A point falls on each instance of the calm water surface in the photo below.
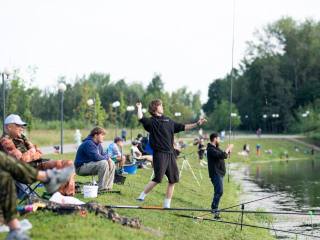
(262, 179)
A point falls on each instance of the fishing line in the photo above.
(234, 8)
(246, 225)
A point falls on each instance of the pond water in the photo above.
(262, 179)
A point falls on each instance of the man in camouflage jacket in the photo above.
(18, 146)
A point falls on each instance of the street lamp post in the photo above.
(306, 128)
(130, 109)
(273, 116)
(144, 111)
(90, 102)
(62, 87)
(246, 116)
(178, 114)
(233, 115)
(307, 112)
(8, 71)
(116, 105)
(265, 119)
(276, 122)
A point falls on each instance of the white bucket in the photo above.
(90, 191)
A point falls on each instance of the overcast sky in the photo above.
(188, 42)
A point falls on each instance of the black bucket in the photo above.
(119, 179)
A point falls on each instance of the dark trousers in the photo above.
(218, 191)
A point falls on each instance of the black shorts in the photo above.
(165, 164)
(201, 156)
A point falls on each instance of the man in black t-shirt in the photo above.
(162, 129)
(217, 168)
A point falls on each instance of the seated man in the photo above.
(113, 151)
(18, 146)
(137, 154)
(13, 169)
(140, 147)
(91, 159)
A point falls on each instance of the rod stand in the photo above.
(242, 208)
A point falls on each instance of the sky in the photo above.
(188, 42)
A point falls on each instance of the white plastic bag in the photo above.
(58, 198)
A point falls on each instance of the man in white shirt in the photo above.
(137, 154)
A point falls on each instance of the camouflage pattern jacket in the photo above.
(21, 148)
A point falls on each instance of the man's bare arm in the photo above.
(193, 125)
(139, 106)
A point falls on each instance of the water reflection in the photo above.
(283, 177)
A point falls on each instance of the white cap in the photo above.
(14, 119)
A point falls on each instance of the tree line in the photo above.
(41, 108)
(278, 76)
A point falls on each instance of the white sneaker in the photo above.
(204, 164)
(201, 164)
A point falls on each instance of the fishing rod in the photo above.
(247, 225)
(207, 210)
(234, 8)
(187, 155)
(278, 194)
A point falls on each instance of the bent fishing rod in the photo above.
(278, 194)
(247, 225)
(234, 7)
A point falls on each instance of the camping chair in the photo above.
(27, 190)
(137, 161)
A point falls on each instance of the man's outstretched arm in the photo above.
(139, 106)
(193, 125)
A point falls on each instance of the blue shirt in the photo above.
(89, 151)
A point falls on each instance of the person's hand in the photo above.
(202, 120)
(110, 162)
(33, 151)
(229, 148)
(139, 105)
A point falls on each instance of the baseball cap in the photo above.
(139, 135)
(12, 118)
(117, 139)
(134, 142)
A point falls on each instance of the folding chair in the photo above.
(27, 190)
(93, 182)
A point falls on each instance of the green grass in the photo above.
(48, 225)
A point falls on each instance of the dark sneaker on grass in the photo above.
(140, 199)
(217, 215)
(18, 234)
(57, 177)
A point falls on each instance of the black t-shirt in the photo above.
(216, 163)
(161, 129)
(201, 152)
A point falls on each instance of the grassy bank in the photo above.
(47, 225)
